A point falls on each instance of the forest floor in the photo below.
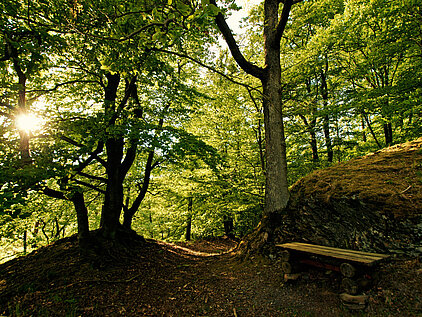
(191, 279)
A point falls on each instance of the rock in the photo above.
(291, 277)
(354, 299)
(354, 306)
(357, 204)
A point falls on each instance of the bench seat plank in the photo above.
(366, 258)
(369, 255)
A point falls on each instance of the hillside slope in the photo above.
(370, 203)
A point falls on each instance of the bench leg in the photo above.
(349, 286)
(347, 270)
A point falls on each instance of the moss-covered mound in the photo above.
(371, 203)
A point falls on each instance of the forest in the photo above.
(162, 120)
(136, 116)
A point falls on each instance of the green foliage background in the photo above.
(350, 67)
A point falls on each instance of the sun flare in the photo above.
(28, 122)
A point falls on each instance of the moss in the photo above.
(372, 199)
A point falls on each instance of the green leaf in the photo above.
(213, 10)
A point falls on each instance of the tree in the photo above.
(276, 188)
(25, 46)
(110, 103)
(371, 52)
(308, 68)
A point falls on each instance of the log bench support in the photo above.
(357, 268)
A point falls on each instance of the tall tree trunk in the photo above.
(314, 144)
(368, 123)
(228, 226)
(25, 242)
(388, 133)
(363, 129)
(189, 219)
(326, 124)
(276, 187)
(260, 146)
(11, 52)
(276, 190)
(78, 201)
(328, 144)
(113, 198)
(128, 218)
(22, 110)
(310, 127)
(276, 193)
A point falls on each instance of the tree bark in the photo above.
(328, 144)
(130, 212)
(228, 226)
(24, 135)
(368, 123)
(260, 146)
(78, 201)
(189, 220)
(25, 242)
(113, 198)
(276, 191)
(326, 124)
(363, 129)
(388, 134)
(310, 127)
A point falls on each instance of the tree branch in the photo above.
(128, 92)
(64, 84)
(54, 193)
(129, 36)
(258, 108)
(70, 141)
(92, 156)
(3, 104)
(287, 5)
(207, 67)
(147, 176)
(97, 178)
(5, 114)
(129, 158)
(248, 67)
(89, 186)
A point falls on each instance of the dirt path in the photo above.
(160, 279)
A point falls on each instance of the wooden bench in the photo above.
(357, 267)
